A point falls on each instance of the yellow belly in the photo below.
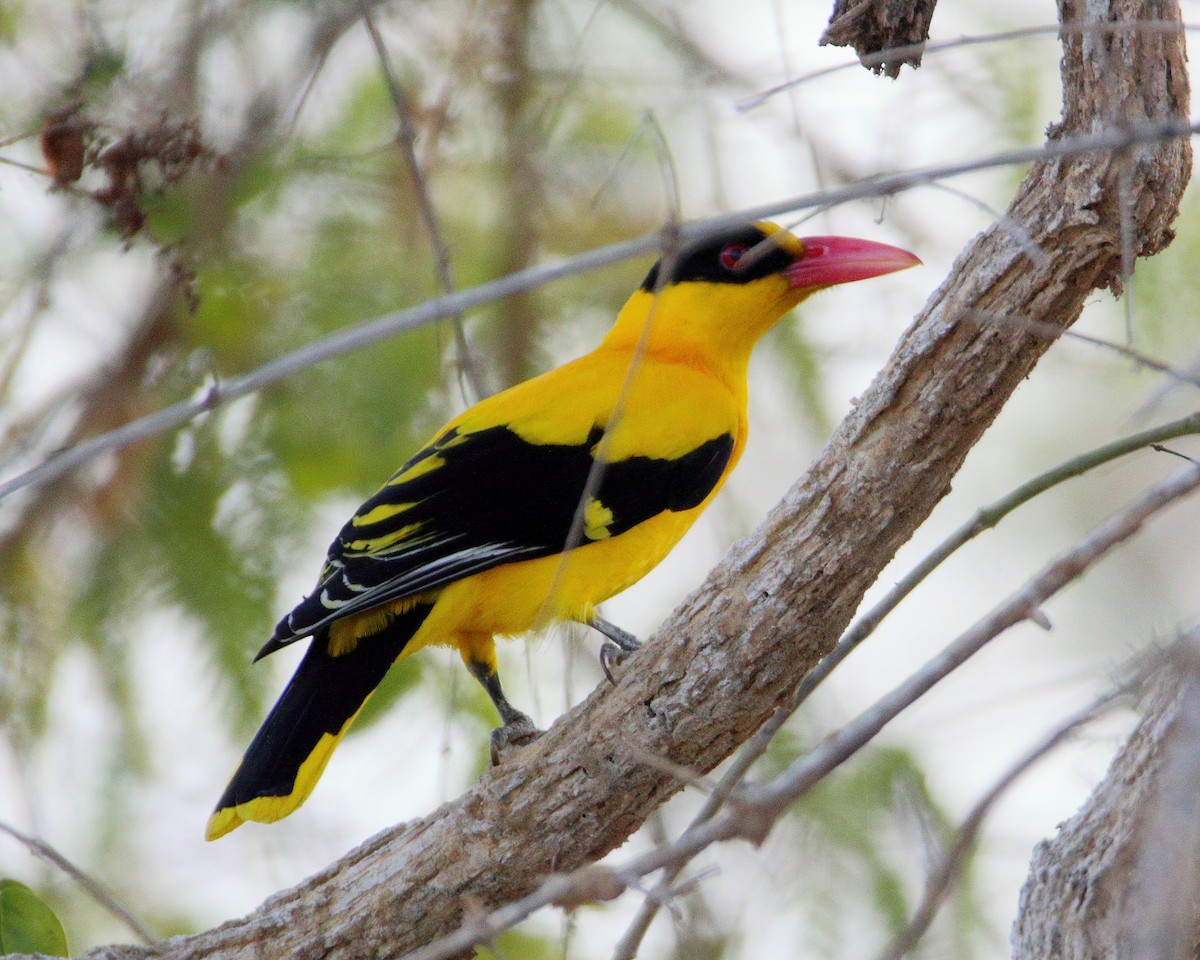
(685, 407)
(530, 594)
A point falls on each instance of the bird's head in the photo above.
(727, 290)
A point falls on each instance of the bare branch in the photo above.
(986, 518)
(90, 886)
(1020, 606)
(740, 645)
(1125, 869)
(876, 60)
(1035, 253)
(1101, 144)
(1167, 872)
(1139, 357)
(407, 140)
(756, 808)
(941, 882)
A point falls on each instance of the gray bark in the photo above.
(1121, 879)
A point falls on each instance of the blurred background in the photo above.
(262, 202)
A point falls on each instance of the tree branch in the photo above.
(1120, 878)
(756, 809)
(941, 882)
(984, 519)
(359, 337)
(406, 140)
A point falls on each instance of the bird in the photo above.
(538, 503)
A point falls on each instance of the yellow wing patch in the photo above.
(418, 469)
(385, 511)
(597, 518)
(378, 544)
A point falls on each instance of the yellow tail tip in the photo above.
(260, 809)
(270, 808)
(222, 822)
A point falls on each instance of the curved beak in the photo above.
(827, 261)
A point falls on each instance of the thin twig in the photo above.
(39, 848)
(20, 339)
(671, 768)
(984, 519)
(1016, 230)
(1175, 453)
(388, 325)
(756, 809)
(672, 244)
(406, 139)
(1050, 332)
(17, 138)
(1023, 605)
(941, 882)
(925, 47)
(29, 167)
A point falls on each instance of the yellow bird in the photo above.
(540, 502)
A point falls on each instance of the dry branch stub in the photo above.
(878, 26)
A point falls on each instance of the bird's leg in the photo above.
(518, 729)
(623, 639)
(618, 646)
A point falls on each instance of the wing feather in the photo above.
(470, 501)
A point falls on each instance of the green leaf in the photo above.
(27, 925)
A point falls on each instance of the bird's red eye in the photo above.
(731, 255)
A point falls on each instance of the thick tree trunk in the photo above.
(1121, 879)
(741, 643)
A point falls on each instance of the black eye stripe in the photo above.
(706, 261)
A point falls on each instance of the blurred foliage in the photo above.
(281, 229)
(1160, 284)
(10, 19)
(519, 943)
(802, 373)
(869, 835)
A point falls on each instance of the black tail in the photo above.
(288, 754)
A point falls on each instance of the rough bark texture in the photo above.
(741, 643)
(1091, 892)
(872, 26)
(1120, 880)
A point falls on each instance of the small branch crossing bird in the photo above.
(540, 502)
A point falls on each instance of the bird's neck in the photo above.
(693, 326)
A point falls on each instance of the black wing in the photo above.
(471, 501)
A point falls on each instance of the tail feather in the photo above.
(288, 754)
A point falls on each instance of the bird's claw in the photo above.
(611, 656)
(519, 731)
